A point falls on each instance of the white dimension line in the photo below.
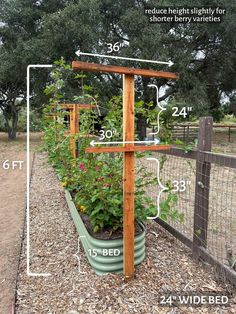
(79, 53)
(77, 254)
(155, 141)
(31, 66)
(163, 188)
(159, 105)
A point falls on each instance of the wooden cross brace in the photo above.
(128, 149)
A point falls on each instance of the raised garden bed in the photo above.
(105, 256)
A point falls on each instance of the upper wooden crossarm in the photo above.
(94, 67)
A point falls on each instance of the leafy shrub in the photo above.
(229, 118)
(2, 123)
(36, 124)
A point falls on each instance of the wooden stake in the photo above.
(128, 176)
(75, 152)
(74, 128)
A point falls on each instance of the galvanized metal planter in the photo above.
(104, 256)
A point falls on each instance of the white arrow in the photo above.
(163, 188)
(77, 254)
(159, 105)
(29, 273)
(155, 141)
(79, 53)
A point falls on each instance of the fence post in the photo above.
(202, 186)
(229, 134)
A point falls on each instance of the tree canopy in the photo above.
(41, 31)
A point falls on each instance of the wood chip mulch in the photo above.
(72, 289)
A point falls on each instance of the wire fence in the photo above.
(173, 168)
(222, 213)
(208, 203)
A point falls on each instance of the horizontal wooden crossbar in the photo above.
(122, 149)
(94, 67)
(78, 106)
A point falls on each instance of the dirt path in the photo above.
(12, 210)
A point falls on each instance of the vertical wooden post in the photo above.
(76, 118)
(71, 131)
(76, 151)
(187, 140)
(74, 128)
(202, 187)
(128, 175)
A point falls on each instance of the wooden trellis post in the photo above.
(128, 174)
(74, 128)
(128, 149)
(74, 110)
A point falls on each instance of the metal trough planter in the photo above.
(105, 256)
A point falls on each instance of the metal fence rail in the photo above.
(189, 132)
(208, 204)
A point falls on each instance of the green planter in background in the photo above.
(105, 256)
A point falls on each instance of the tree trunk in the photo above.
(141, 127)
(11, 119)
(12, 133)
(12, 130)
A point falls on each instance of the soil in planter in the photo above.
(107, 234)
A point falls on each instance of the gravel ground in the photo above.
(73, 289)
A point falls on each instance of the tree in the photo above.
(43, 31)
(203, 54)
(14, 31)
(10, 89)
(37, 32)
